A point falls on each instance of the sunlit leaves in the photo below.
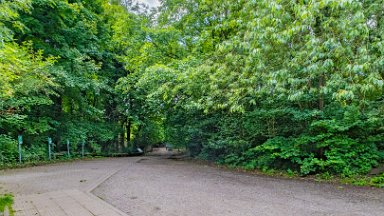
(265, 60)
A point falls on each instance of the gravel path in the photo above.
(156, 186)
(61, 176)
(165, 187)
(60, 189)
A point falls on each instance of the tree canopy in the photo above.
(268, 84)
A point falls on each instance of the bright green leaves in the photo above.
(57, 72)
(281, 84)
(26, 83)
(9, 13)
(306, 76)
(24, 72)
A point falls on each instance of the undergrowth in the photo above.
(6, 201)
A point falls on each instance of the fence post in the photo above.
(50, 148)
(82, 148)
(20, 142)
(69, 155)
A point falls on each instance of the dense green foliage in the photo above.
(58, 68)
(293, 85)
(268, 84)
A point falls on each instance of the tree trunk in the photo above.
(129, 125)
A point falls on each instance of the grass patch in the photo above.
(356, 180)
(60, 159)
(16, 165)
(373, 181)
(6, 201)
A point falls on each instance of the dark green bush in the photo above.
(8, 149)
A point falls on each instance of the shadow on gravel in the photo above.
(163, 153)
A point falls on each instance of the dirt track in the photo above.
(160, 186)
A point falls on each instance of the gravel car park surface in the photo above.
(155, 185)
(60, 176)
(160, 186)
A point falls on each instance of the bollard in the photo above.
(69, 155)
(49, 148)
(20, 142)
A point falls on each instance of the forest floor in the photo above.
(158, 185)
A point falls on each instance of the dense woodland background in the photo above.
(267, 84)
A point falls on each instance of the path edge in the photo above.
(101, 181)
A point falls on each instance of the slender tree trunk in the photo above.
(129, 125)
